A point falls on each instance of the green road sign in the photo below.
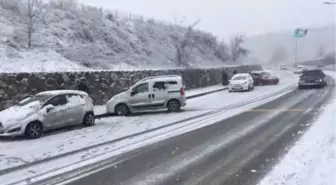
(300, 32)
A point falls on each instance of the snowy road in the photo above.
(235, 151)
(24, 153)
(311, 161)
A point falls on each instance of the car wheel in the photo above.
(249, 88)
(174, 106)
(121, 110)
(34, 130)
(89, 119)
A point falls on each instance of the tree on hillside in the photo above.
(278, 54)
(70, 5)
(236, 49)
(222, 52)
(33, 13)
(182, 54)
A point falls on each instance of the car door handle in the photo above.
(153, 95)
(149, 96)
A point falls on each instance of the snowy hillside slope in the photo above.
(82, 38)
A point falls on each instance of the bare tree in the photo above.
(34, 13)
(13, 5)
(236, 48)
(221, 52)
(279, 54)
(181, 47)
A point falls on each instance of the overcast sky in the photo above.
(227, 17)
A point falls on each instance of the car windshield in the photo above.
(239, 78)
(40, 98)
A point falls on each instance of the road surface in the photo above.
(235, 151)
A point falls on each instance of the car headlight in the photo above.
(320, 80)
(245, 83)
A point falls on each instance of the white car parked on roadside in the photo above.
(152, 93)
(241, 82)
(45, 111)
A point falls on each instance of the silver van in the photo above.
(152, 93)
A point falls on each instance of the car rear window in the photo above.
(239, 78)
(312, 73)
(256, 74)
(265, 74)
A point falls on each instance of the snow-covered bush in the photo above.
(13, 5)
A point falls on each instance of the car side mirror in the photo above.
(133, 92)
(49, 108)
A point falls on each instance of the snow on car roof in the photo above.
(242, 74)
(162, 77)
(59, 92)
(257, 71)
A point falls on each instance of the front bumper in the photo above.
(11, 131)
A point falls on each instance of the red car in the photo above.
(264, 78)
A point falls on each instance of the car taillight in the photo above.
(182, 91)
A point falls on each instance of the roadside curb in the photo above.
(188, 98)
(206, 93)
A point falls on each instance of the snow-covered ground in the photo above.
(311, 161)
(19, 152)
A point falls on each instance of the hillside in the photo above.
(72, 37)
(318, 38)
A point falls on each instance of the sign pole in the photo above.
(296, 51)
(298, 33)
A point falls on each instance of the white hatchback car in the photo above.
(153, 93)
(241, 82)
(45, 111)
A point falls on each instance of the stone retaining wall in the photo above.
(102, 84)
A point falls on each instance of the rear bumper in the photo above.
(239, 87)
(183, 102)
(315, 84)
(311, 83)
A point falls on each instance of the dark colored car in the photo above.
(264, 78)
(312, 78)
